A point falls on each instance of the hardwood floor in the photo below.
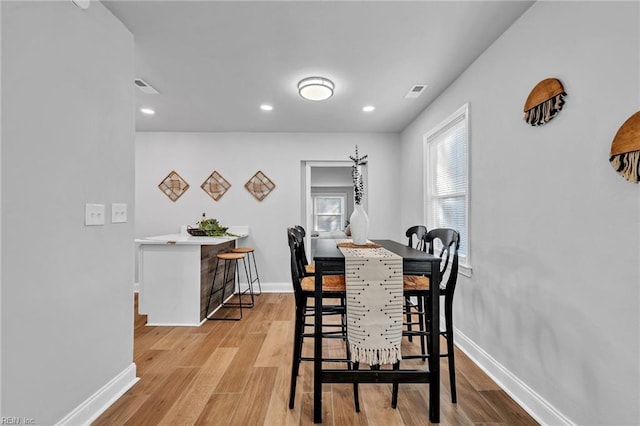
(237, 373)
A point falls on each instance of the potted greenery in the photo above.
(209, 227)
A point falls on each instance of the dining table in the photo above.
(329, 260)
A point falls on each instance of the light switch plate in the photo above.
(94, 214)
(118, 213)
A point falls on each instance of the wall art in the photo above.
(544, 102)
(625, 149)
(215, 185)
(260, 185)
(173, 186)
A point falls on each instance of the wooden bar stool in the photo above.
(251, 258)
(231, 270)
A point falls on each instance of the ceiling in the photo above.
(215, 62)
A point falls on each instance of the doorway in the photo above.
(326, 180)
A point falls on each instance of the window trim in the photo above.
(462, 114)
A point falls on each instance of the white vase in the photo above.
(359, 225)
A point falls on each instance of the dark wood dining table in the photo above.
(329, 260)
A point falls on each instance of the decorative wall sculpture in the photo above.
(259, 185)
(215, 185)
(173, 186)
(625, 149)
(544, 102)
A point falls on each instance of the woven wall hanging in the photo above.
(544, 102)
(625, 149)
(173, 186)
(215, 185)
(260, 185)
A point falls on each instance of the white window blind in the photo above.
(446, 150)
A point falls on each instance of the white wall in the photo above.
(0, 221)
(67, 139)
(554, 295)
(331, 176)
(237, 156)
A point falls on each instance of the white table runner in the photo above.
(374, 304)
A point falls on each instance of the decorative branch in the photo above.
(356, 173)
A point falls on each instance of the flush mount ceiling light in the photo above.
(315, 88)
(147, 111)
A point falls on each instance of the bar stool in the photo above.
(231, 270)
(250, 253)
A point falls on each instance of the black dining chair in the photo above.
(416, 239)
(418, 232)
(305, 268)
(447, 243)
(309, 268)
(333, 287)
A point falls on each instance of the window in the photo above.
(446, 182)
(328, 212)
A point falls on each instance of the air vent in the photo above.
(145, 87)
(415, 91)
(82, 4)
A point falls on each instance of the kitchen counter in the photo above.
(238, 231)
(176, 275)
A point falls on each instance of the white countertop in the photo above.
(179, 238)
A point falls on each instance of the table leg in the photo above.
(317, 346)
(434, 349)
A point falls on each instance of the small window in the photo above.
(446, 184)
(328, 212)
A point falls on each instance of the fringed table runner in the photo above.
(374, 304)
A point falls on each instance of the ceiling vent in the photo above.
(145, 87)
(82, 4)
(415, 91)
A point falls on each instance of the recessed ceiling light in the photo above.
(368, 108)
(147, 111)
(266, 107)
(316, 88)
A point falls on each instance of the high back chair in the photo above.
(309, 268)
(446, 243)
(333, 287)
(416, 239)
(416, 235)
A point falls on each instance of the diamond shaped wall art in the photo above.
(215, 185)
(173, 186)
(260, 185)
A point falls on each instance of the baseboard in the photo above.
(266, 287)
(285, 287)
(527, 398)
(97, 403)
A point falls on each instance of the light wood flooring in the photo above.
(237, 373)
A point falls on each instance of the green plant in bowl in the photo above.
(212, 227)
